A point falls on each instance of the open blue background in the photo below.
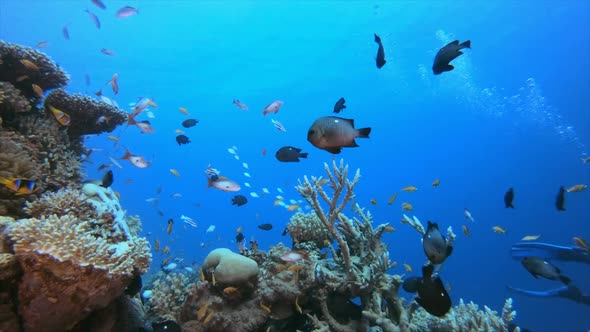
(514, 113)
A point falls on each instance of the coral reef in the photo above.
(465, 318)
(17, 160)
(168, 294)
(11, 100)
(307, 227)
(23, 66)
(302, 288)
(88, 115)
(72, 266)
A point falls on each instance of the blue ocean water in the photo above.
(514, 113)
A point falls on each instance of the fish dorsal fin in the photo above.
(455, 42)
(431, 225)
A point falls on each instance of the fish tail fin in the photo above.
(377, 38)
(131, 119)
(466, 44)
(511, 206)
(303, 155)
(565, 279)
(364, 132)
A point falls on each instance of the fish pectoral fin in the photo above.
(449, 250)
(334, 150)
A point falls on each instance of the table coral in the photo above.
(44, 72)
(88, 115)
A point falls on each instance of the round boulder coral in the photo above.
(230, 268)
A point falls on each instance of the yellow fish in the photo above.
(322, 182)
(183, 110)
(577, 188)
(409, 189)
(113, 138)
(166, 250)
(389, 229)
(581, 243)
(61, 117)
(297, 307)
(202, 311)
(499, 230)
(407, 267)
(37, 89)
(436, 183)
(407, 206)
(466, 231)
(179, 132)
(530, 237)
(293, 207)
(278, 200)
(264, 307)
(175, 172)
(391, 199)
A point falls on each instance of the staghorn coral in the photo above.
(307, 227)
(47, 74)
(11, 100)
(464, 318)
(17, 160)
(88, 116)
(168, 294)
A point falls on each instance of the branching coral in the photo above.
(465, 318)
(168, 294)
(307, 227)
(313, 190)
(88, 116)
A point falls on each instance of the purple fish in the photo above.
(127, 11)
(65, 32)
(94, 18)
(99, 4)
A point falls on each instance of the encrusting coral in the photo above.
(88, 115)
(11, 100)
(307, 227)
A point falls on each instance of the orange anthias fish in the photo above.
(224, 184)
(37, 89)
(169, 228)
(272, 107)
(29, 64)
(183, 110)
(114, 84)
(174, 172)
(61, 117)
(136, 160)
(240, 105)
(19, 186)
